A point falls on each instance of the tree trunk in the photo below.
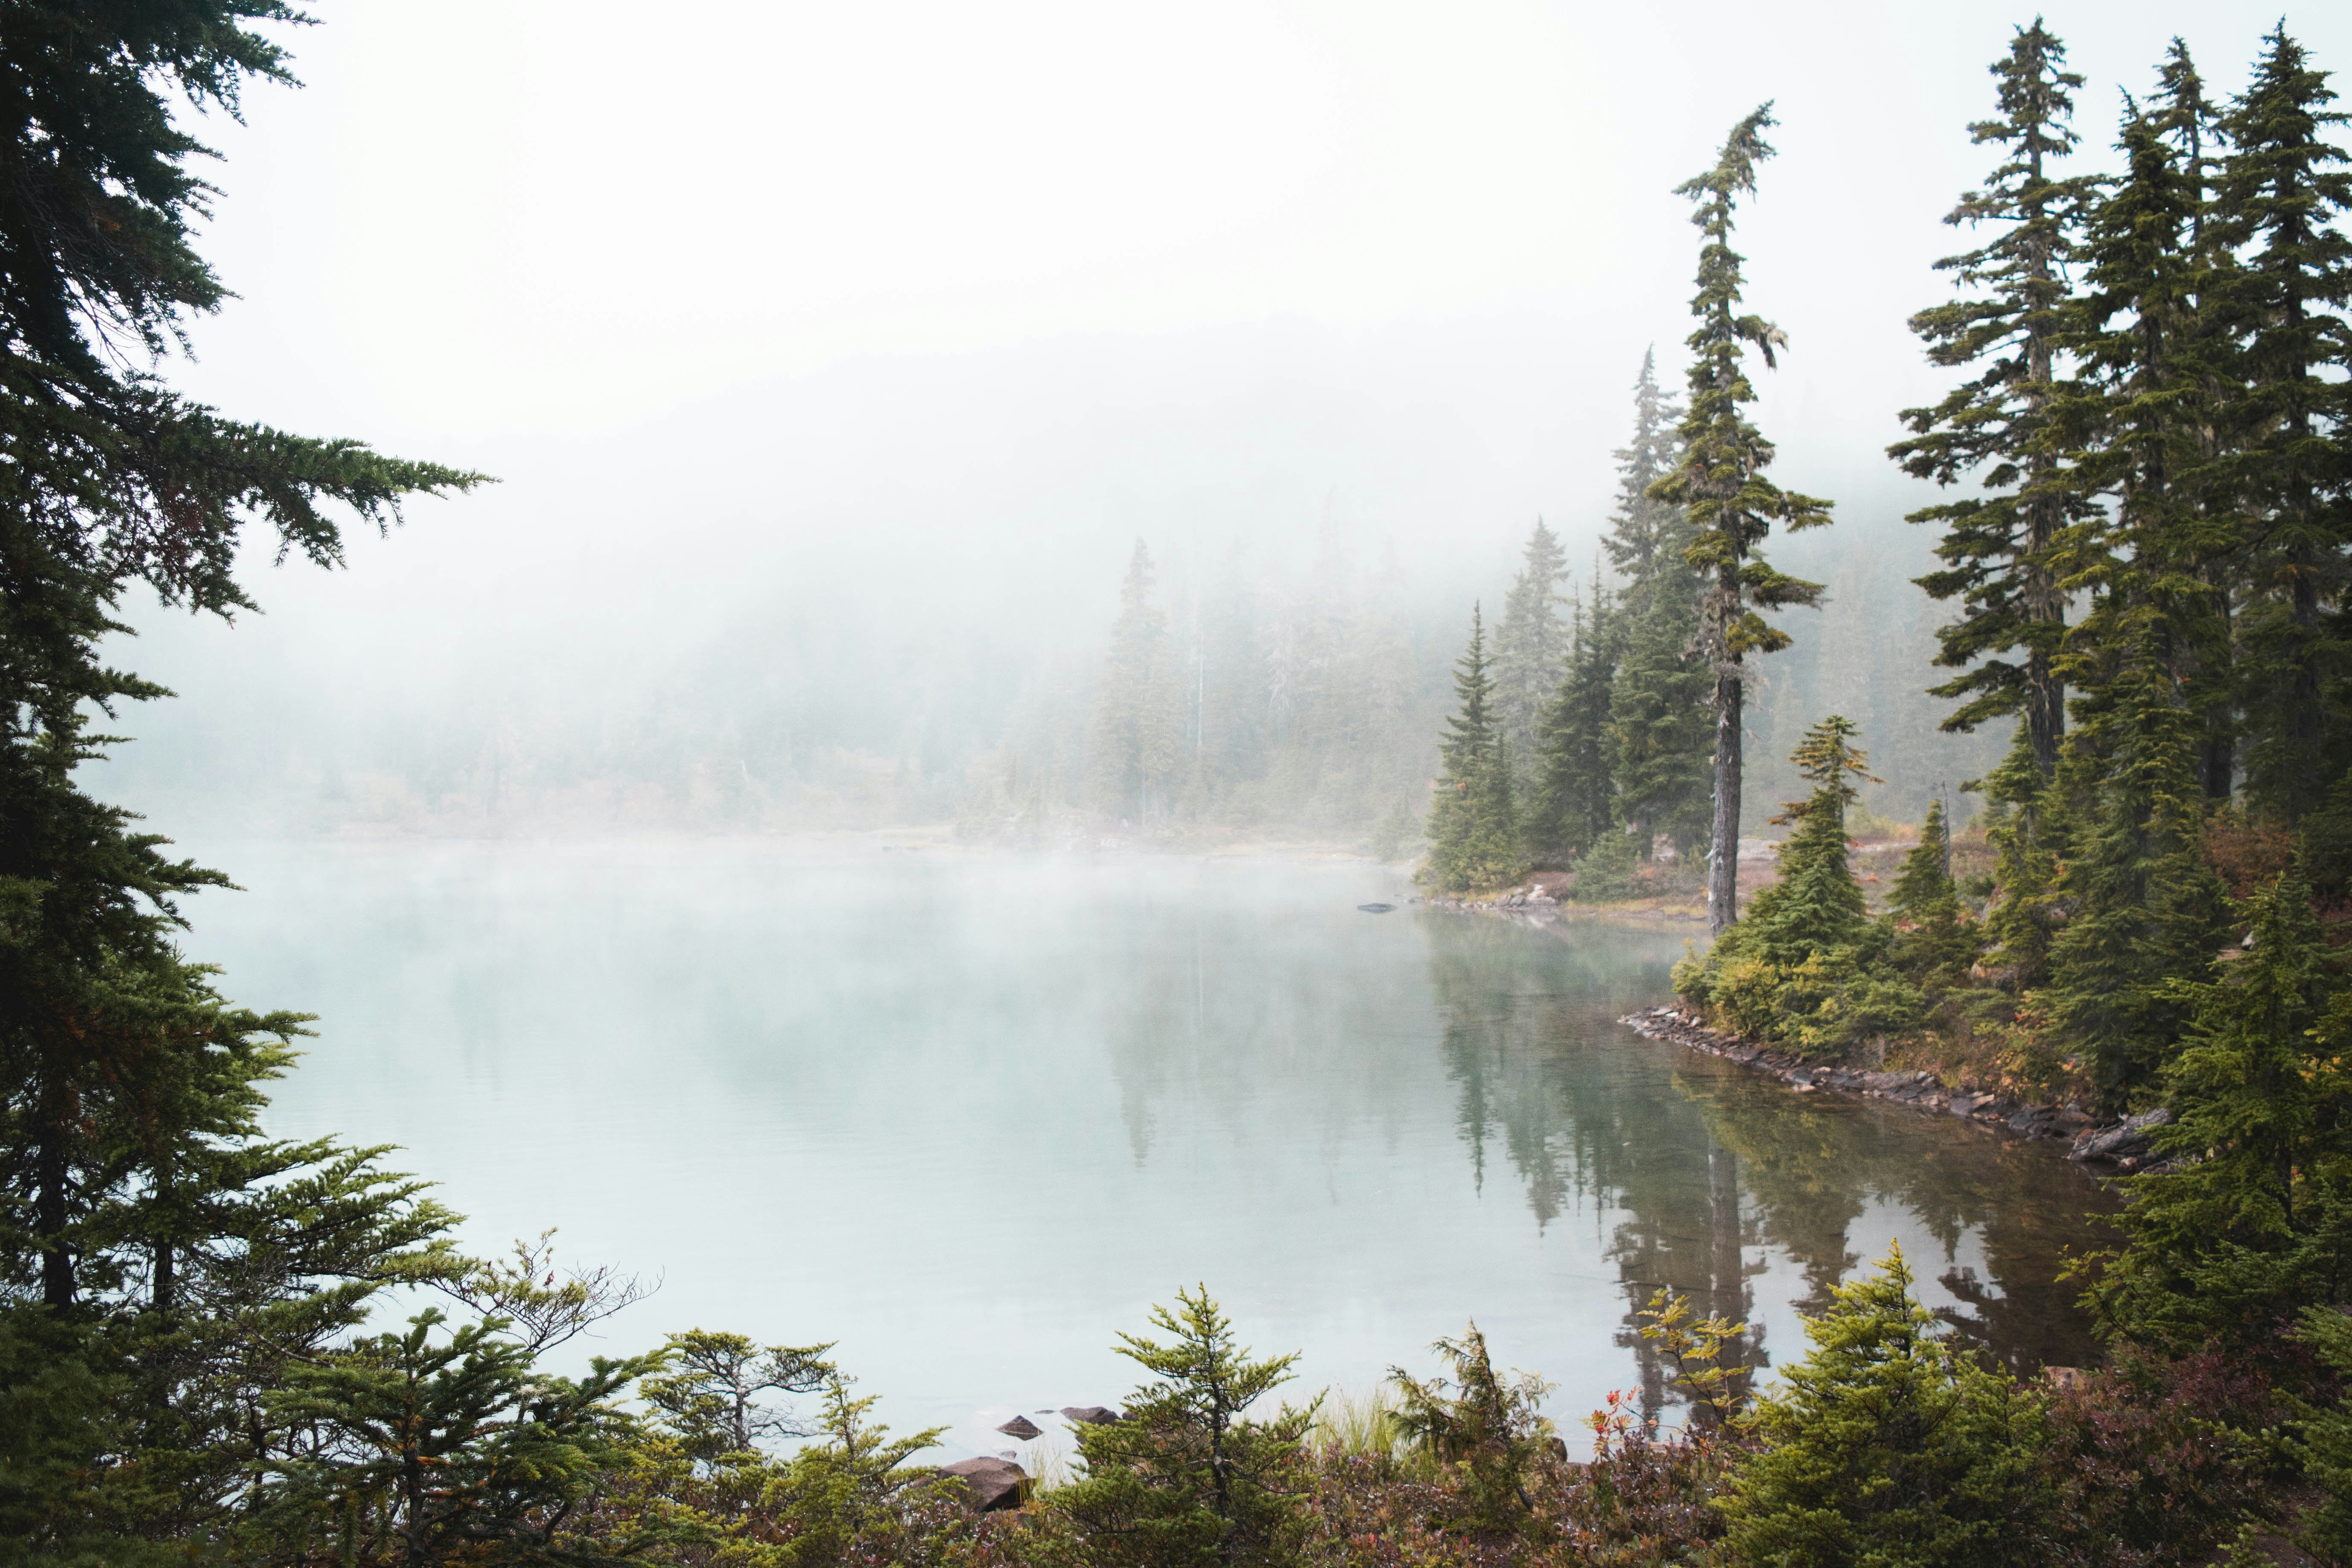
(1723, 850)
(51, 1174)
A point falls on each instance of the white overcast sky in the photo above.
(932, 307)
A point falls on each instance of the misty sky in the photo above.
(920, 314)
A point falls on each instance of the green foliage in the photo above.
(1532, 646)
(1721, 488)
(1473, 830)
(2256, 1221)
(1188, 1477)
(437, 1444)
(1938, 943)
(1808, 968)
(1606, 871)
(1574, 804)
(1718, 1390)
(2321, 1438)
(1486, 1428)
(1886, 1447)
(708, 1392)
(1995, 427)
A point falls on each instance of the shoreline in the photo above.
(2123, 1144)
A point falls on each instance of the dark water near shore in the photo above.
(968, 1116)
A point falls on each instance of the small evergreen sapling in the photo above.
(1887, 1447)
(1189, 1479)
(1485, 1428)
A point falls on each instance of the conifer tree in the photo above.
(1473, 831)
(2256, 1221)
(1720, 486)
(1658, 722)
(1135, 747)
(1189, 1477)
(1646, 533)
(1532, 646)
(1818, 904)
(1574, 802)
(1887, 1447)
(2282, 193)
(1998, 546)
(1938, 947)
(2027, 825)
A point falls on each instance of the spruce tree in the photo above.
(1473, 830)
(2256, 1221)
(1938, 945)
(1135, 747)
(1646, 533)
(1720, 485)
(1995, 427)
(1189, 1477)
(1574, 802)
(2028, 827)
(1532, 646)
(167, 1260)
(1887, 1447)
(2281, 195)
(1658, 735)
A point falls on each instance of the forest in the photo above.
(217, 1344)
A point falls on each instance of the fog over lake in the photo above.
(970, 1114)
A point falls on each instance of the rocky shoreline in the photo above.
(2124, 1145)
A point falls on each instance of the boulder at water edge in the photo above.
(1021, 1426)
(992, 1484)
(1091, 1415)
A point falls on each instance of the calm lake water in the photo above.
(968, 1115)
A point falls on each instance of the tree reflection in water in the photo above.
(1701, 1174)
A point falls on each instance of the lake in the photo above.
(968, 1115)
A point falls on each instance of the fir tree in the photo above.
(1887, 1447)
(2282, 192)
(1485, 1429)
(1658, 718)
(1998, 544)
(2027, 825)
(1188, 1477)
(1135, 747)
(1646, 533)
(1817, 906)
(1938, 945)
(1532, 646)
(1574, 800)
(1473, 830)
(1720, 485)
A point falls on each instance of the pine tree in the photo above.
(2256, 1221)
(1887, 1447)
(1574, 800)
(1532, 646)
(1134, 750)
(2281, 196)
(1938, 946)
(1646, 534)
(1995, 427)
(1188, 1477)
(1474, 829)
(1721, 487)
(1817, 906)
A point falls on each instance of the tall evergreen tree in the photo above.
(1135, 749)
(1721, 485)
(1995, 427)
(157, 1252)
(1646, 533)
(1574, 802)
(1532, 646)
(2256, 1222)
(1473, 837)
(2281, 194)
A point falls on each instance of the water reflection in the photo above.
(971, 1115)
(1709, 1174)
